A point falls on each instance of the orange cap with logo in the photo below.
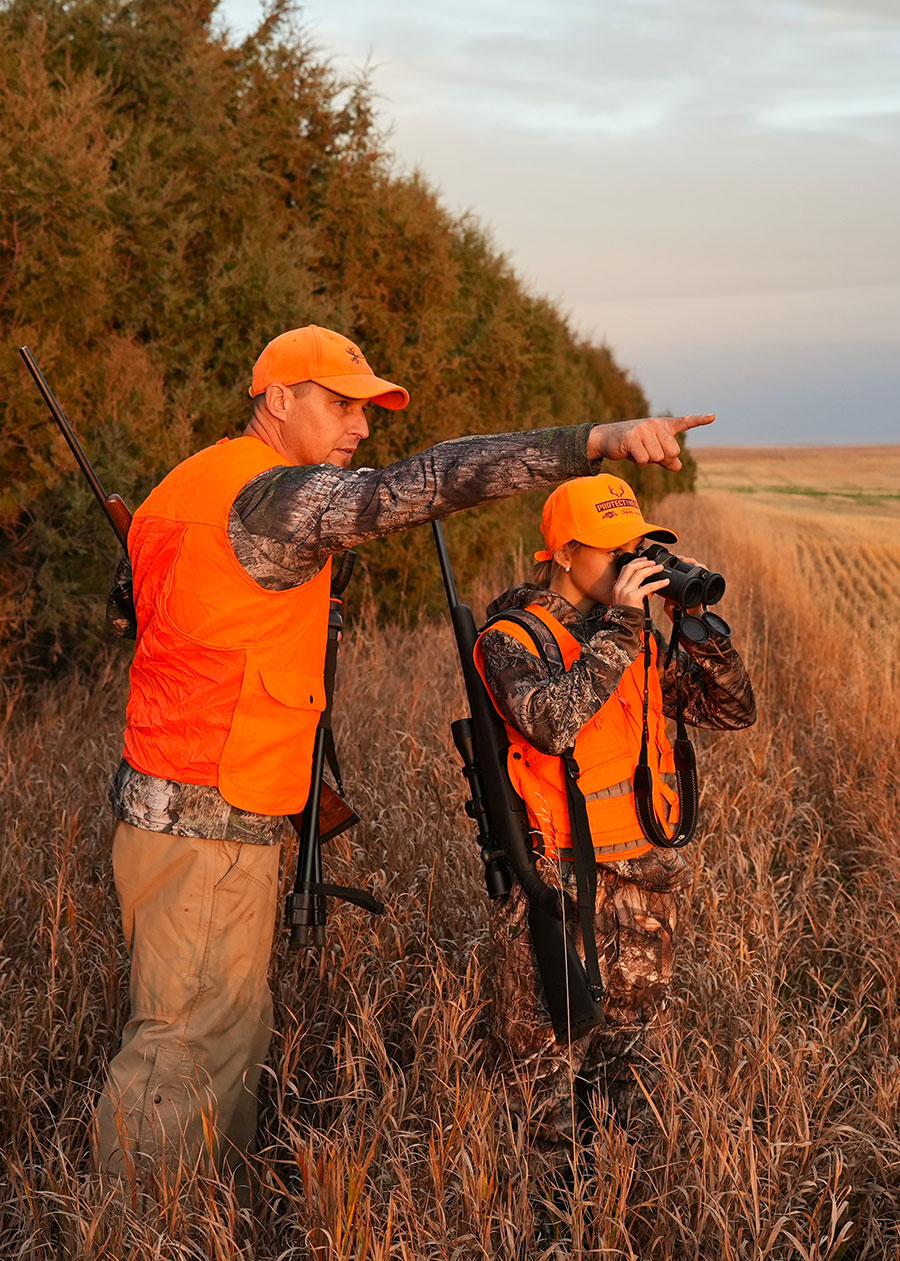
(319, 355)
(600, 511)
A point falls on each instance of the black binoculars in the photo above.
(689, 585)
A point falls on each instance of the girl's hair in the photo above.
(543, 569)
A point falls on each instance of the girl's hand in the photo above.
(631, 585)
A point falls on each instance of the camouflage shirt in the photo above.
(550, 711)
(285, 524)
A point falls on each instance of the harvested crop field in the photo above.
(775, 1134)
(850, 481)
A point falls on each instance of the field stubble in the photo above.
(776, 1133)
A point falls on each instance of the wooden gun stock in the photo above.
(335, 814)
(118, 512)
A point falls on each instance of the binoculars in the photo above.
(689, 586)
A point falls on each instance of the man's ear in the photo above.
(277, 400)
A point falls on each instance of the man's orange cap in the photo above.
(600, 511)
(319, 355)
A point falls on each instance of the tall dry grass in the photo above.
(776, 1131)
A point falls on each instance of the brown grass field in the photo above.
(775, 1134)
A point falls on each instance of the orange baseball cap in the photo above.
(600, 511)
(319, 355)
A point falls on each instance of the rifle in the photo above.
(306, 907)
(503, 832)
(332, 814)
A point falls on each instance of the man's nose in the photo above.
(360, 427)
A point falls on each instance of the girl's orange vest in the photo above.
(607, 749)
(227, 679)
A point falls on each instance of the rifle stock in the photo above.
(503, 828)
(120, 516)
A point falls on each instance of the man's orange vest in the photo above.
(227, 679)
(607, 750)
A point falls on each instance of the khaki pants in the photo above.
(198, 917)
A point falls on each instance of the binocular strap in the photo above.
(685, 760)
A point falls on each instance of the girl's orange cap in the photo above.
(317, 354)
(600, 511)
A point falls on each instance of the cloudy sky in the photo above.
(712, 188)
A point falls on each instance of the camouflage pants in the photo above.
(635, 925)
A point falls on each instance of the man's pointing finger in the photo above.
(678, 424)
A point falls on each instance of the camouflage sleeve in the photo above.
(120, 615)
(288, 521)
(551, 709)
(715, 688)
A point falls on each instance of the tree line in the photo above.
(170, 199)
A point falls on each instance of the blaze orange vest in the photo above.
(607, 750)
(227, 680)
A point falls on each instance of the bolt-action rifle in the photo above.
(503, 832)
(326, 814)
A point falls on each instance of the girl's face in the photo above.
(591, 573)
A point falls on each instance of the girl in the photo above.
(592, 605)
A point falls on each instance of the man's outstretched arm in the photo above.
(289, 520)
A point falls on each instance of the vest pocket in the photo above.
(267, 759)
(295, 688)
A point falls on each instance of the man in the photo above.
(232, 556)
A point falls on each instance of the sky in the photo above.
(711, 187)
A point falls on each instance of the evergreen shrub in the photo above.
(169, 201)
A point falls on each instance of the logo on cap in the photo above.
(630, 505)
(354, 354)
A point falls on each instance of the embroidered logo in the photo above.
(354, 354)
(620, 505)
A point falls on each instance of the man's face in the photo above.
(321, 427)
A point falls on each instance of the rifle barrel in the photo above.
(446, 568)
(109, 503)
